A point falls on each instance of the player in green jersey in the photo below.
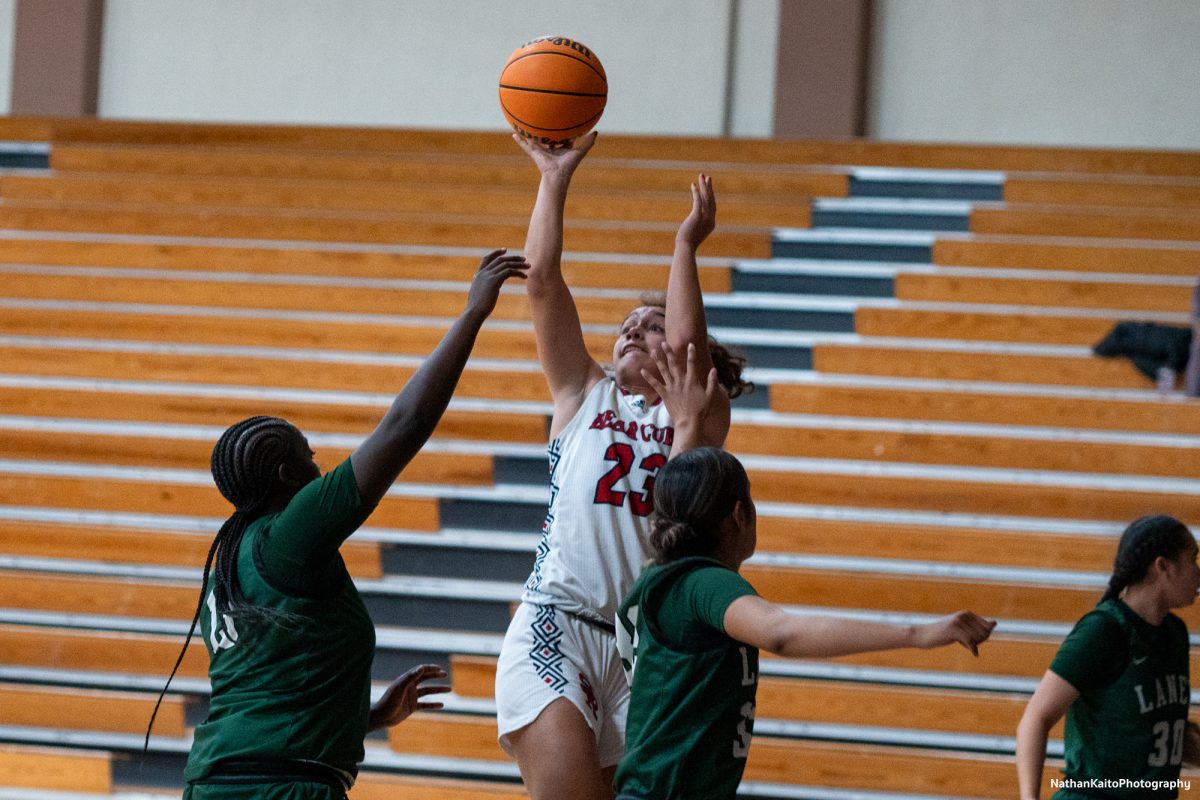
(690, 630)
(1122, 679)
(290, 641)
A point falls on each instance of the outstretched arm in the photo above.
(570, 369)
(686, 323)
(418, 408)
(756, 621)
(1050, 701)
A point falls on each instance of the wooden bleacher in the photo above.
(961, 447)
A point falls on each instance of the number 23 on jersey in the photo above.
(640, 503)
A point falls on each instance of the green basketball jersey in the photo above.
(298, 686)
(691, 709)
(1126, 730)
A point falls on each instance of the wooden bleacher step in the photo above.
(771, 759)
(1065, 253)
(509, 169)
(1082, 190)
(55, 769)
(423, 229)
(341, 138)
(376, 196)
(325, 259)
(119, 712)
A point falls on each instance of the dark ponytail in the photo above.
(245, 466)
(693, 495)
(1142, 542)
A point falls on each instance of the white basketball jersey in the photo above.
(602, 470)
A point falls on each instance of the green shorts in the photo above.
(296, 790)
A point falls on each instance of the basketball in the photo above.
(553, 89)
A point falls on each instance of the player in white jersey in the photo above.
(560, 693)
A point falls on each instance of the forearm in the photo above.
(828, 637)
(1031, 756)
(544, 238)
(686, 321)
(420, 404)
(415, 412)
(685, 436)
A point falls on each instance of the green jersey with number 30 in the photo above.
(1126, 730)
(296, 686)
(691, 710)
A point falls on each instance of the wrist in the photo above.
(686, 424)
(557, 180)
(473, 317)
(912, 635)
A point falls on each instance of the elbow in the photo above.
(783, 646)
(783, 638)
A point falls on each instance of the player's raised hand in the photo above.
(403, 696)
(557, 162)
(703, 217)
(966, 627)
(494, 269)
(687, 394)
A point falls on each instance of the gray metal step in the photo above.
(765, 312)
(814, 277)
(24, 155)
(940, 184)
(891, 214)
(853, 244)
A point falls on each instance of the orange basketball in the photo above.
(553, 89)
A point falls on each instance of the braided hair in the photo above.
(245, 466)
(1142, 542)
(693, 495)
(729, 363)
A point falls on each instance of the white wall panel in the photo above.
(426, 63)
(1071, 72)
(8, 24)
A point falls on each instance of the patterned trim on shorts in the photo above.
(546, 656)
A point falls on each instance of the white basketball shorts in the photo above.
(548, 654)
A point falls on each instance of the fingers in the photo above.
(672, 362)
(524, 144)
(691, 359)
(500, 261)
(491, 255)
(653, 382)
(664, 357)
(970, 630)
(424, 672)
(584, 144)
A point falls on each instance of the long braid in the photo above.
(1142, 542)
(245, 463)
(187, 641)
